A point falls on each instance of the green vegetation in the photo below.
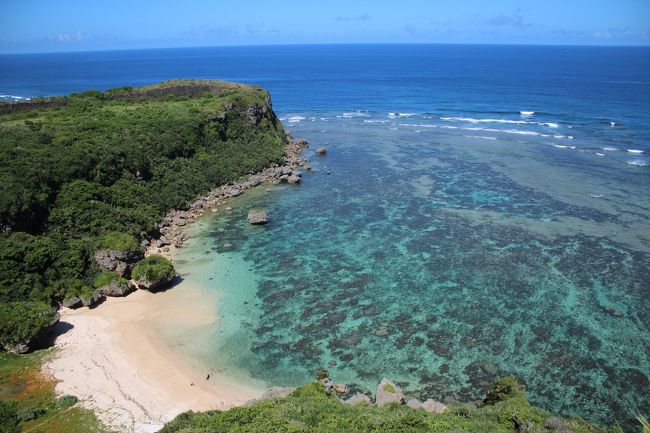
(9, 422)
(105, 278)
(66, 401)
(20, 322)
(389, 388)
(153, 268)
(100, 169)
(119, 242)
(28, 402)
(311, 409)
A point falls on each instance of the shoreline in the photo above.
(114, 358)
(172, 227)
(114, 361)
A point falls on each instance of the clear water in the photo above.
(446, 247)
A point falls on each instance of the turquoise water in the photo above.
(421, 259)
(450, 244)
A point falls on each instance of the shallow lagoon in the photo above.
(422, 258)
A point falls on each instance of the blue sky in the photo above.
(72, 25)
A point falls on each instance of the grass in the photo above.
(311, 409)
(21, 380)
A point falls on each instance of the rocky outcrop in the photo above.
(255, 113)
(357, 399)
(72, 302)
(90, 299)
(120, 262)
(153, 285)
(116, 288)
(321, 151)
(257, 217)
(388, 392)
(430, 405)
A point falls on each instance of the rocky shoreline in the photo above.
(172, 227)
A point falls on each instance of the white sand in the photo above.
(116, 365)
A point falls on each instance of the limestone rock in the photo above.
(358, 398)
(301, 143)
(340, 388)
(286, 170)
(257, 217)
(120, 262)
(73, 302)
(433, 406)
(293, 179)
(91, 299)
(154, 285)
(388, 392)
(321, 151)
(414, 403)
(115, 289)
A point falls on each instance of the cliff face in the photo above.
(74, 168)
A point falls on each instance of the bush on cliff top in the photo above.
(310, 409)
(153, 268)
(122, 242)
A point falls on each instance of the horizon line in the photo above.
(332, 44)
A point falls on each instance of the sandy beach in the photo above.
(114, 362)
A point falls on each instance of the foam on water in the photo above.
(4, 97)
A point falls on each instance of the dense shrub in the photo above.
(122, 242)
(9, 422)
(503, 389)
(20, 322)
(30, 412)
(311, 409)
(66, 401)
(153, 268)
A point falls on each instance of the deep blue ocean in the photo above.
(481, 211)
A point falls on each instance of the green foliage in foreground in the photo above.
(310, 409)
(153, 268)
(22, 321)
(9, 422)
(28, 402)
(100, 169)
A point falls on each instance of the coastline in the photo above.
(115, 362)
(172, 227)
(115, 358)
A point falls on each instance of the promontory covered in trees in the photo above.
(86, 178)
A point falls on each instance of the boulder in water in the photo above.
(257, 217)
